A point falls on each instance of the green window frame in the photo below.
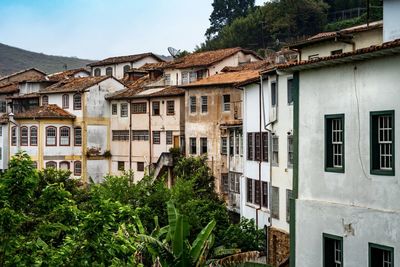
(337, 261)
(382, 143)
(372, 246)
(335, 143)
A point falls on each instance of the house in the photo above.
(345, 180)
(213, 127)
(118, 66)
(201, 65)
(146, 120)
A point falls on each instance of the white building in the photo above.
(118, 66)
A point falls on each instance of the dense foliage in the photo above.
(280, 21)
(47, 219)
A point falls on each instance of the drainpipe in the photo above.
(150, 133)
(130, 137)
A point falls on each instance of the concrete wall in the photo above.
(391, 20)
(370, 203)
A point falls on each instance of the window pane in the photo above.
(170, 107)
(77, 102)
(156, 137)
(78, 136)
(124, 109)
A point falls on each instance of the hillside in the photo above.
(14, 59)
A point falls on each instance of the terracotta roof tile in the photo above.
(256, 65)
(227, 78)
(122, 59)
(58, 76)
(73, 84)
(30, 95)
(154, 66)
(20, 72)
(362, 53)
(168, 91)
(9, 88)
(204, 59)
(45, 112)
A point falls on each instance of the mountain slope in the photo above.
(14, 59)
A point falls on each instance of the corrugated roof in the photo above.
(122, 59)
(45, 112)
(388, 48)
(227, 78)
(203, 59)
(74, 84)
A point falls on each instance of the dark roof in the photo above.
(9, 88)
(385, 49)
(226, 78)
(45, 112)
(204, 59)
(345, 33)
(20, 72)
(122, 59)
(160, 92)
(74, 84)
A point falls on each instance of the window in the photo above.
(156, 137)
(140, 135)
(3, 106)
(275, 150)
(121, 165)
(192, 76)
(77, 168)
(65, 101)
(290, 91)
(167, 79)
(224, 144)
(109, 71)
(168, 138)
(24, 136)
(288, 197)
(201, 74)
(231, 135)
(64, 136)
(257, 192)
(313, 57)
(192, 142)
(238, 136)
(185, 77)
(275, 203)
(170, 107)
(249, 190)
(273, 94)
(139, 108)
(77, 136)
(203, 145)
(97, 72)
(140, 167)
(126, 69)
(120, 135)
(265, 146)
(226, 103)
(114, 109)
(124, 109)
(204, 104)
(234, 181)
(225, 182)
(250, 147)
(77, 102)
(336, 52)
(334, 143)
(1, 131)
(156, 108)
(332, 250)
(34, 165)
(33, 136)
(45, 100)
(64, 165)
(257, 154)
(51, 136)
(380, 256)
(382, 142)
(192, 104)
(264, 200)
(14, 136)
(290, 151)
(51, 164)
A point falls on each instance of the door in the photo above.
(176, 141)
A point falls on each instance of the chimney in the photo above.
(391, 20)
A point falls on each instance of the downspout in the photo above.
(130, 138)
(150, 134)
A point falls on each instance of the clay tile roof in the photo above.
(226, 78)
(133, 87)
(388, 48)
(74, 84)
(256, 65)
(20, 72)
(122, 59)
(160, 92)
(203, 59)
(58, 76)
(154, 66)
(323, 36)
(45, 112)
(9, 88)
(30, 95)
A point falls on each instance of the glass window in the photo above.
(275, 150)
(380, 256)
(34, 135)
(64, 165)
(124, 109)
(156, 137)
(3, 106)
(169, 137)
(185, 77)
(65, 101)
(121, 166)
(226, 103)
(140, 135)
(203, 145)
(170, 107)
(77, 168)
(249, 190)
(126, 69)
(192, 104)
(333, 251)
(257, 151)
(14, 136)
(156, 108)
(51, 136)
(250, 146)
(224, 145)
(290, 151)
(273, 94)
(192, 142)
(167, 79)
(77, 136)
(97, 72)
(64, 136)
(24, 136)
(204, 104)
(109, 71)
(45, 100)
(114, 109)
(275, 203)
(139, 108)
(290, 91)
(51, 164)
(334, 143)
(140, 167)
(264, 199)
(77, 102)
(265, 146)
(120, 135)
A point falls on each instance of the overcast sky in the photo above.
(96, 29)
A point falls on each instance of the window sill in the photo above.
(336, 170)
(382, 172)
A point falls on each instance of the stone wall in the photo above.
(278, 250)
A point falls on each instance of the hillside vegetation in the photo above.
(14, 59)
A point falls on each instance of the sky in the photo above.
(96, 29)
